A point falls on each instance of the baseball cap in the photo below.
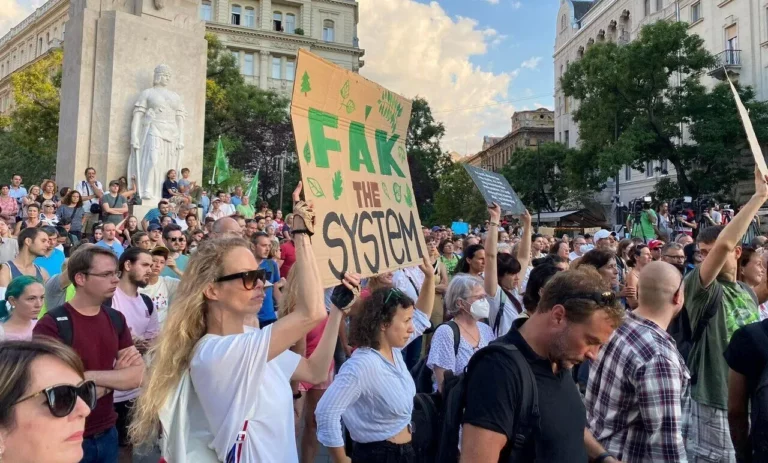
(160, 251)
(655, 244)
(601, 235)
(154, 226)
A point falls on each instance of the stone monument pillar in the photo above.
(120, 58)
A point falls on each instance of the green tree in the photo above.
(638, 101)
(426, 159)
(537, 177)
(30, 133)
(457, 198)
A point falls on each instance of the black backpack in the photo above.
(64, 324)
(686, 337)
(436, 439)
(421, 373)
(759, 399)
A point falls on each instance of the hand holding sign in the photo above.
(495, 211)
(761, 183)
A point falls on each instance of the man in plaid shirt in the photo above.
(638, 395)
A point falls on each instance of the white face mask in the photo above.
(480, 309)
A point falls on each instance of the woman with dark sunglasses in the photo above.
(374, 390)
(44, 401)
(205, 384)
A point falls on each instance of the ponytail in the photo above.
(15, 289)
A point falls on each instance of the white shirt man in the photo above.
(90, 189)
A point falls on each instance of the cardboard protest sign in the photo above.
(495, 188)
(350, 137)
(460, 228)
(754, 145)
(592, 230)
(547, 231)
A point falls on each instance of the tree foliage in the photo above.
(538, 178)
(457, 198)
(644, 101)
(30, 132)
(254, 125)
(426, 159)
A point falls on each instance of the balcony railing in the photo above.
(729, 60)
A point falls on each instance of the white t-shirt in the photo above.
(509, 313)
(86, 190)
(235, 384)
(161, 293)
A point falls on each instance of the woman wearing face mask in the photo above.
(640, 257)
(467, 303)
(21, 307)
(503, 274)
(374, 390)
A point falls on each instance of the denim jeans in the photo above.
(101, 448)
(383, 452)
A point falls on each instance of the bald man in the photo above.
(225, 226)
(639, 393)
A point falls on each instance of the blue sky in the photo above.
(475, 61)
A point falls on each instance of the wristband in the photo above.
(494, 224)
(602, 457)
(297, 396)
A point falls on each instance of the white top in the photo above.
(509, 313)
(374, 396)
(235, 384)
(573, 256)
(229, 209)
(441, 351)
(161, 293)
(409, 281)
(85, 190)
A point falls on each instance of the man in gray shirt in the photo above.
(9, 247)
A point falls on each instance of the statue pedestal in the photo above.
(110, 53)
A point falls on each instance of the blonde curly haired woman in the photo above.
(209, 385)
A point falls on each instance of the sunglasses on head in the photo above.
(62, 399)
(604, 298)
(393, 292)
(249, 278)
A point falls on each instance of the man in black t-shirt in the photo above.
(746, 361)
(576, 315)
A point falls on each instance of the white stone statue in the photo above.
(157, 136)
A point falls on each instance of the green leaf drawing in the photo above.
(307, 153)
(390, 108)
(315, 188)
(367, 111)
(338, 185)
(385, 190)
(345, 90)
(350, 106)
(397, 192)
(408, 196)
(305, 87)
(401, 153)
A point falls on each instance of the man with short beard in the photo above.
(576, 315)
(135, 266)
(673, 254)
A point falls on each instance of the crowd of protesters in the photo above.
(202, 329)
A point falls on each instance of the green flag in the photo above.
(221, 166)
(253, 190)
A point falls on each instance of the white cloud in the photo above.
(531, 63)
(493, 2)
(12, 12)
(425, 52)
(517, 5)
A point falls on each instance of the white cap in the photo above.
(601, 235)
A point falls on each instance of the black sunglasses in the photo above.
(62, 399)
(249, 278)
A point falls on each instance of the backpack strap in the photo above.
(117, 320)
(148, 302)
(709, 311)
(63, 324)
(456, 336)
(499, 313)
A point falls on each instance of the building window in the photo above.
(248, 64)
(31, 52)
(277, 20)
(731, 38)
(236, 13)
(567, 137)
(2, 70)
(236, 56)
(250, 18)
(647, 7)
(567, 108)
(205, 11)
(55, 32)
(328, 32)
(22, 58)
(695, 12)
(659, 5)
(664, 167)
(47, 38)
(561, 70)
(649, 169)
(562, 23)
(275, 68)
(627, 173)
(559, 137)
(290, 23)
(40, 45)
(290, 70)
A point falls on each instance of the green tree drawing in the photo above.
(338, 185)
(305, 87)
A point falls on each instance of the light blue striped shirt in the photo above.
(373, 396)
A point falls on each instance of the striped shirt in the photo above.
(639, 394)
(372, 395)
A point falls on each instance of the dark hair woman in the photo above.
(473, 260)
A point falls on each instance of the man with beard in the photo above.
(673, 254)
(577, 313)
(135, 267)
(639, 395)
(172, 237)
